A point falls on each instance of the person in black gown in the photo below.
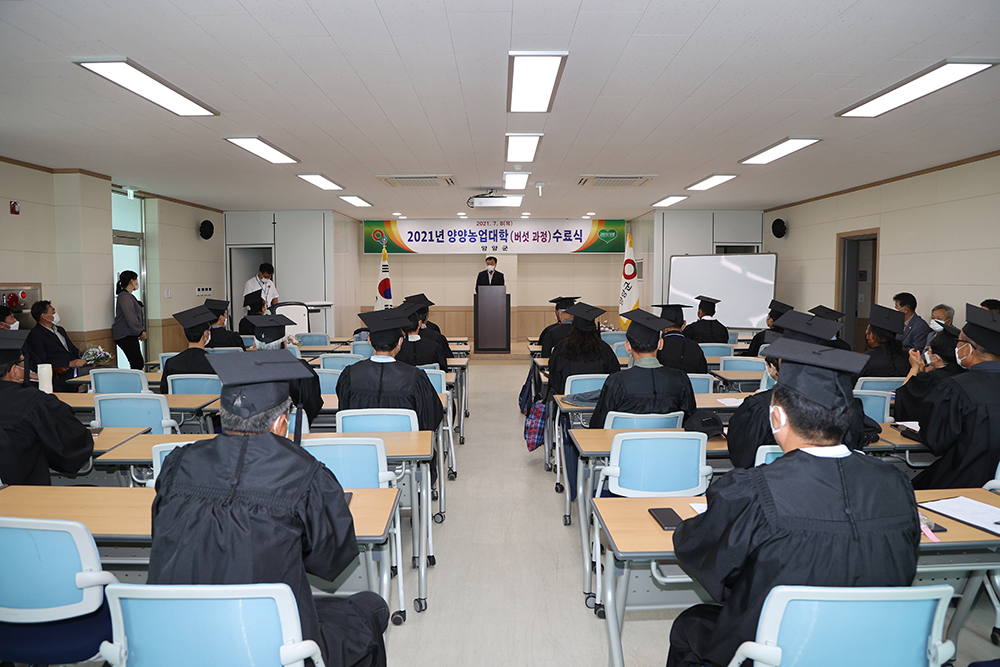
(558, 330)
(418, 349)
(707, 329)
(251, 506)
(433, 334)
(960, 418)
(886, 357)
(220, 336)
(37, 430)
(819, 515)
(834, 316)
(679, 351)
(269, 334)
(776, 310)
(648, 387)
(927, 368)
(253, 301)
(194, 360)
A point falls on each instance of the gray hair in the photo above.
(949, 312)
(255, 424)
(273, 345)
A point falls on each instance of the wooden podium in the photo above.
(492, 319)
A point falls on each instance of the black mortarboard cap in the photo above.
(826, 313)
(778, 309)
(217, 306)
(983, 327)
(269, 328)
(255, 382)
(707, 299)
(771, 337)
(385, 320)
(672, 312)
(821, 374)
(646, 327)
(564, 302)
(584, 315)
(192, 317)
(419, 298)
(11, 343)
(411, 310)
(807, 328)
(253, 299)
(887, 319)
(952, 331)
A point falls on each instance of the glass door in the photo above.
(128, 253)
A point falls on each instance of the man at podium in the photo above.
(490, 276)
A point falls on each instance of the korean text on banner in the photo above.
(628, 299)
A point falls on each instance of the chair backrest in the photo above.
(632, 420)
(879, 384)
(314, 338)
(659, 463)
(160, 452)
(701, 383)
(612, 337)
(220, 350)
(49, 570)
(118, 381)
(876, 404)
(249, 341)
(328, 378)
(296, 311)
(716, 349)
(577, 384)
(376, 420)
(362, 348)
(292, 416)
(294, 351)
(358, 463)
(819, 626)
(434, 367)
(164, 356)
(760, 350)
(338, 362)
(196, 383)
(734, 337)
(742, 364)
(767, 454)
(146, 410)
(157, 625)
(619, 349)
(438, 379)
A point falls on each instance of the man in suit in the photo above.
(490, 276)
(50, 344)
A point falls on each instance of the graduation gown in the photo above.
(38, 432)
(192, 361)
(433, 327)
(645, 391)
(707, 331)
(960, 422)
(884, 363)
(793, 522)
(308, 391)
(370, 384)
(841, 344)
(258, 509)
(682, 353)
(755, 343)
(246, 327)
(422, 351)
(552, 335)
(223, 337)
(911, 395)
(440, 340)
(560, 367)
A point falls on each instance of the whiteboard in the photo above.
(743, 283)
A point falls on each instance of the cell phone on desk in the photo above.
(666, 517)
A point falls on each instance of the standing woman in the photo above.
(128, 329)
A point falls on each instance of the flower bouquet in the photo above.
(96, 356)
(603, 327)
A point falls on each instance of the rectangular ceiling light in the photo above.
(515, 180)
(780, 150)
(262, 149)
(496, 202)
(923, 83)
(669, 201)
(320, 181)
(711, 182)
(356, 201)
(522, 147)
(144, 83)
(532, 80)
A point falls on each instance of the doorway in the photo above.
(128, 253)
(244, 263)
(857, 259)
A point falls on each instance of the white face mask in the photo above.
(15, 326)
(959, 358)
(55, 319)
(782, 419)
(490, 268)
(936, 325)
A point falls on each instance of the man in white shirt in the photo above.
(263, 282)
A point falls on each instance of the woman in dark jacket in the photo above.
(128, 328)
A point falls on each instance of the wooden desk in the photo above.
(316, 350)
(543, 362)
(112, 437)
(462, 348)
(739, 379)
(331, 403)
(177, 402)
(139, 450)
(713, 361)
(152, 379)
(711, 401)
(535, 350)
(460, 340)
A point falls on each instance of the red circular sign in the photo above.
(384, 289)
(378, 234)
(628, 270)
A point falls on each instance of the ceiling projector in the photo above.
(492, 199)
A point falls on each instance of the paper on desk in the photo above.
(699, 507)
(966, 510)
(913, 426)
(730, 402)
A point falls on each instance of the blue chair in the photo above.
(292, 417)
(433, 367)
(320, 339)
(294, 351)
(809, 625)
(876, 404)
(702, 383)
(160, 452)
(248, 624)
(362, 348)
(248, 341)
(438, 380)
(632, 420)
(163, 356)
(619, 349)
(338, 362)
(577, 384)
(766, 382)
(767, 454)
(716, 349)
(52, 608)
(742, 364)
(376, 420)
(760, 350)
(328, 379)
(879, 383)
(734, 337)
(612, 337)
(118, 381)
(144, 410)
(195, 383)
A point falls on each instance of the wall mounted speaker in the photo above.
(206, 229)
(778, 228)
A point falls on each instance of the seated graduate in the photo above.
(554, 333)
(935, 363)
(776, 310)
(251, 506)
(254, 302)
(50, 344)
(834, 316)
(648, 387)
(306, 393)
(582, 351)
(193, 360)
(424, 312)
(416, 349)
(886, 357)
(818, 516)
(220, 336)
(991, 304)
(960, 418)
(679, 351)
(707, 329)
(37, 430)
(383, 382)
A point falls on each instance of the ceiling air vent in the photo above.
(611, 181)
(418, 181)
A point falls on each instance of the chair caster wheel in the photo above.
(398, 617)
(995, 636)
(466, 414)
(452, 475)
(461, 439)
(559, 487)
(434, 494)
(567, 520)
(416, 562)
(599, 611)
(439, 517)
(393, 571)
(548, 467)
(431, 560)
(420, 604)
(590, 600)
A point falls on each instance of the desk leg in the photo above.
(420, 604)
(615, 656)
(415, 514)
(373, 581)
(581, 504)
(441, 452)
(557, 429)
(465, 377)
(463, 402)
(972, 585)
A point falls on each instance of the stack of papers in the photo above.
(966, 510)
(913, 426)
(730, 402)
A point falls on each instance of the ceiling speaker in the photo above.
(778, 228)
(206, 229)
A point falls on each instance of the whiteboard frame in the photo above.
(670, 277)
